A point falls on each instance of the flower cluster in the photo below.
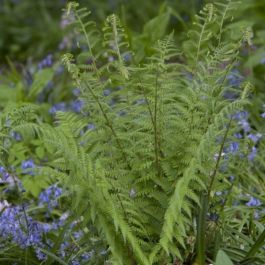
(46, 62)
(20, 228)
(49, 197)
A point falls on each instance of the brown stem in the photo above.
(213, 175)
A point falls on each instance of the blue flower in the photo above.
(46, 62)
(233, 147)
(241, 115)
(231, 178)
(2, 170)
(263, 115)
(16, 135)
(238, 135)
(253, 153)
(77, 105)
(86, 256)
(27, 164)
(127, 57)
(50, 196)
(57, 107)
(40, 255)
(253, 202)
(91, 126)
(255, 137)
(78, 235)
(106, 92)
(234, 78)
(76, 92)
(245, 125)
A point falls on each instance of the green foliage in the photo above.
(145, 176)
(222, 258)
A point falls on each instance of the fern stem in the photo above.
(88, 44)
(98, 77)
(109, 124)
(147, 102)
(115, 32)
(222, 22)
(213, 175)
(201, 230)
(199, 44)
(156, 145)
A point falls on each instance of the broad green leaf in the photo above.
(223, 259)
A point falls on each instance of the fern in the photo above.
(138, 176)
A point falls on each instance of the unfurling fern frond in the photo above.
(116, 41)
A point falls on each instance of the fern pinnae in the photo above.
(114, 35)
(208, 11)
(80, 15)
(109, 124)
(222, 20)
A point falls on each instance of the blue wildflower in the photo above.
(245, 125)
(234, 78)
(86, 256)
(76, 92)
(252, 154)
(127, 57)
(91, 126)
(57, 107)
(106, 92)
(63, 248)
(253, 202)
(40, 255)
(238, 135)
(231, 178)
(2, 170)
(77, 105)
(27, 164)
(233, 147)
(241, 115)
(17, 136)
(255, 137)
(46, 62)
(50, 196)
(78, 235)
